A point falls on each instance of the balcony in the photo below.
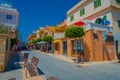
(88, 26)
(92, 26)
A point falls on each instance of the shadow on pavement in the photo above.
(13, 62)
(40, 72)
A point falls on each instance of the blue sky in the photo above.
(36, 13)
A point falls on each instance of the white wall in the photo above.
(89, 10)
(11, 23)
(115, 18)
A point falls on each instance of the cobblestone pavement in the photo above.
(64, 70)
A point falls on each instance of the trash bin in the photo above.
(25, 56)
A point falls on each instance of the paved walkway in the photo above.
(30, 78)
(64, 70)
(12, 74)
(13, 69)
(59, 56)
(12, 65)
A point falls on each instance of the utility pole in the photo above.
(53, 42)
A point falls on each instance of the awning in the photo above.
(79, 23)
(41, 42)
(56, 41)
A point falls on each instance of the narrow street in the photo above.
(50, 66)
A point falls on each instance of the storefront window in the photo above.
(110, 39)
(64, 47)
(80, 47)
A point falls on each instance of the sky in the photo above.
(36, 13)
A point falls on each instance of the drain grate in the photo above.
(78, 66)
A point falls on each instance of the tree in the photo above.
(75, 32)
(47, 39)
(38, 40)
(33, 41)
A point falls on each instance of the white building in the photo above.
(8, 16)
(93, 10)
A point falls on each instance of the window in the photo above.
(95, 35)
(72, 18)
(80, 47)
(119, 23)
(97, 3)
(118, 1)
(109, 39)
(82, 11)
(9, 17)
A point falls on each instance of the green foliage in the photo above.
(47, 38)
(3, 28)
(38, 40)
(34, 41)
(26, 43)
(14, 41)
(74, 32)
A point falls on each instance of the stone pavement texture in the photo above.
(59, 56)
(30, 78)
(12, 74)
(64, 70)
(13, 69)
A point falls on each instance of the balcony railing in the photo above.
(98, 27)
(88, 26)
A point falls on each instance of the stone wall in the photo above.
(3, 51)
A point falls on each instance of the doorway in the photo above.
(65, 47)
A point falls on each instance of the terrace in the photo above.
(88, 26)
